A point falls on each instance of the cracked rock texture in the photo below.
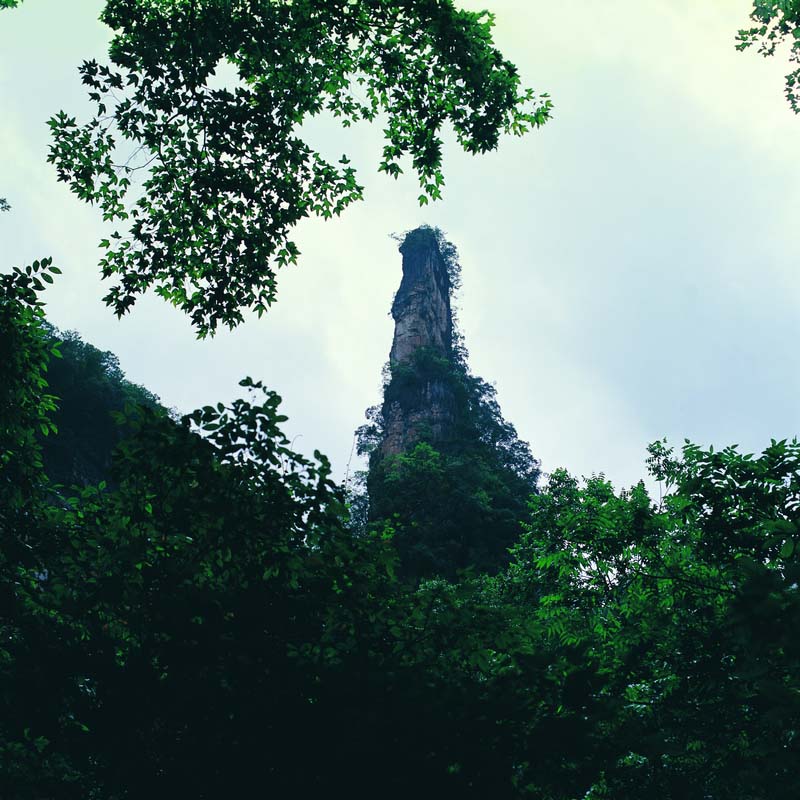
(423, 319)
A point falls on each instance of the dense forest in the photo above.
(190, 608)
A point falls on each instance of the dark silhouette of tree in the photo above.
(208, 182)
(93, 395)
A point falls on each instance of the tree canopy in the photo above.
(777, 24)
(207, 182)
(205, 623)
(93, 395)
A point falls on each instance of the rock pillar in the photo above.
(419, 401)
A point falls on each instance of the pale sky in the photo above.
(629, 270)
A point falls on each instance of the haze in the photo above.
(629, 271)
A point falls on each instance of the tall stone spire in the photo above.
(462, 504)
(421, 307)
(422, 405)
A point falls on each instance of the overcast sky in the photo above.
(629, 270)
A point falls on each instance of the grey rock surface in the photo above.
(423, 319)
(421, 307)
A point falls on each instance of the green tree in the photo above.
(687, 609)
(92, 394)
(777, 25)
(25, 349)
(25, 535)
(207, 624)
(209, 181)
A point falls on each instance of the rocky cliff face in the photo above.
(421, 308)
(459, 503)
(420, 404)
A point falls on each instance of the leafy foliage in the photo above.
(25, 349)
(689, 610)
(777, 24)
(225, 174)
(93, 394)
(457, 503)
(25, 406)
(220, 567)
(206, 624)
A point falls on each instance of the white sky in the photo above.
(629, 270)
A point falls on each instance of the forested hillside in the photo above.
(92, 397)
